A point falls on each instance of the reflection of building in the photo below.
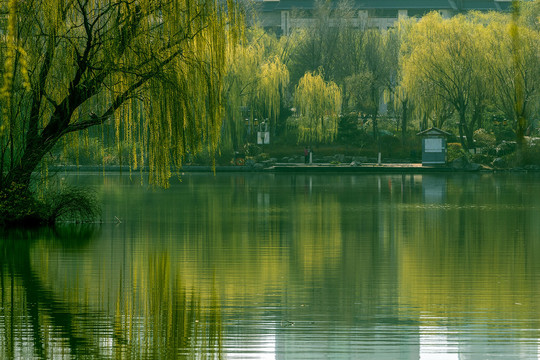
(281, 16)
(434, 189)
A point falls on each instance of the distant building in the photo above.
(281, 16)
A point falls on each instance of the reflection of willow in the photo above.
(163, 320)
(250, 225)
(349, 238)
(68, 313)
(245, 222)
(274, 232)
(475, 255)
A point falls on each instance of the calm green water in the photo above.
(261, 266)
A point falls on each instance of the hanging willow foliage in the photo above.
(256, 80)
(243, 63)
(318, 104)
(152, 68)
(446, 63)
(273, 79)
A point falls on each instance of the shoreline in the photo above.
(298, 167)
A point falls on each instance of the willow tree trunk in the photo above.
(405, 108)
(520, 139)
(34, 152)
(465, 132)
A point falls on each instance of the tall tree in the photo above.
(515, 69)
(255, 85)
(272, 82)
(72, 65)
(447, 62)
(326, 42)
(318, 105)
(396, 94)
(377, 73)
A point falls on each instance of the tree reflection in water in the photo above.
(306, 266)
(147, 314)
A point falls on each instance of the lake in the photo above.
(282, 266)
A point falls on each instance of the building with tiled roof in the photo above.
(281, 16)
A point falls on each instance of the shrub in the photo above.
(72, 204)
(262, 157)
(484, 139)
(20, 207)
(455, 151)
(252, 149)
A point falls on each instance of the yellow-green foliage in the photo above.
(256, 79)
(515, 68)
(484, 138)
(444, 62)
(273, 79)
(318, 105)
(152, 69)
(466, 62)
(14, 58)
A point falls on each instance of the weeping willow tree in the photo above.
(376, 73)
(256, 82)
(515, 68)
(396, 94)
(239, 93)
(318, 105)
(152, 68)
(446, 63)
(273, 80)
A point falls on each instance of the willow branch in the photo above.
(119, 100)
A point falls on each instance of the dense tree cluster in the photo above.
(474, 71)
(472, 66)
